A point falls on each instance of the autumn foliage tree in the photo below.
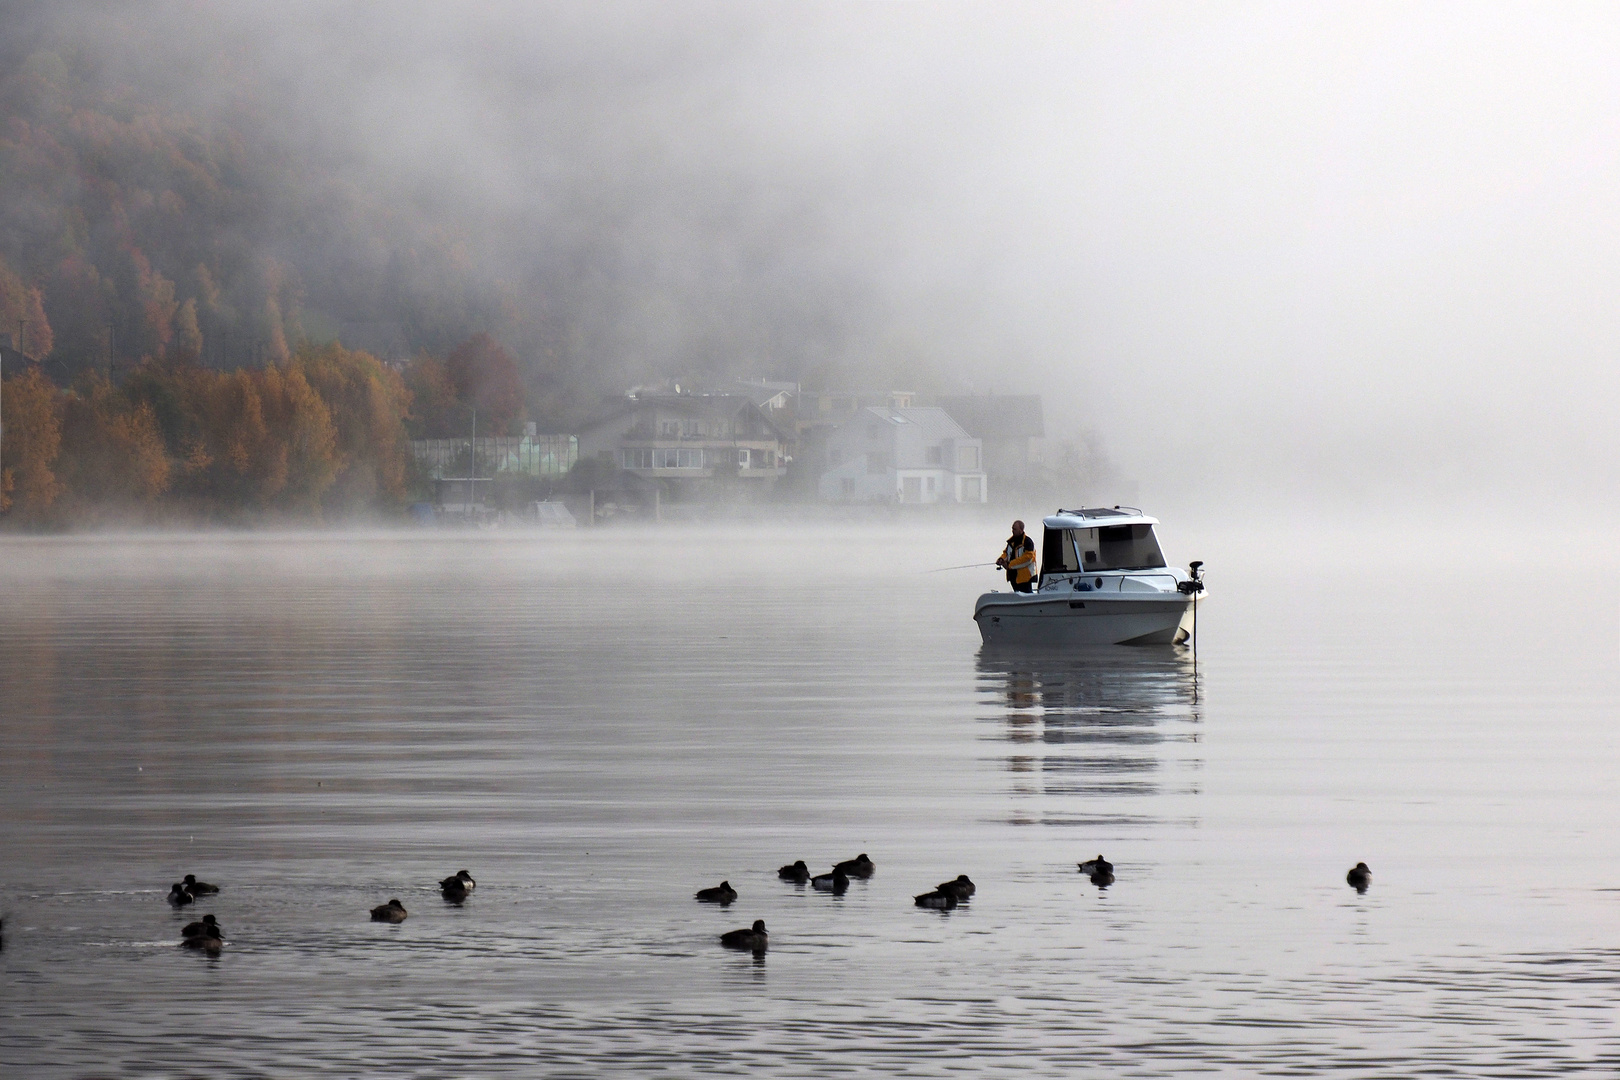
(485, 376)
(322, 433)
(30, 411)
(22, 314)
(369, 403)
(112, 457)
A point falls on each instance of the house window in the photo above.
(847, 486)
(936, 455)
(677, 459)
(742, 457)
(971, 492)
(967, 459)
(662, 459)
(835, 457)
(669, 429)
(877, 461)
(932, 481)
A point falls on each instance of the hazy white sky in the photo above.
(1268, 251)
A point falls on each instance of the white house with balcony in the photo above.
(903, 455)
(692, 444)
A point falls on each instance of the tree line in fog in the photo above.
(325, 431)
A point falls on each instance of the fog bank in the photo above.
(1274, 255)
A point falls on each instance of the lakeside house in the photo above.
(903, 455)
(1012, 428)
(694, 445)
(531, 453)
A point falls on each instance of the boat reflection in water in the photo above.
(1093, 731)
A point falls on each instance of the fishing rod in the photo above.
(964, 566)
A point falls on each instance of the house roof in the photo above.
(933, 424)
(998, 416)
(759, 395)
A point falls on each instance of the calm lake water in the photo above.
(597, 724)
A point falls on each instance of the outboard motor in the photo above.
(1196, 583)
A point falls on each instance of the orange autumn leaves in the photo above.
(322, 432)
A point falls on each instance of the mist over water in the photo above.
(598, 724)
(1264, 252)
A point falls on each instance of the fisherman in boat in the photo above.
(1018, 559)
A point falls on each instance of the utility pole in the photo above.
(472, 458)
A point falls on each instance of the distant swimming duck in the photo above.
(860, 866)
(1099, 865)
(198, 888)
(942, 901)
(721, 894)
(961, 888)
(754, 938)
(797, 872)
(179, 896)
(391, 912)
(1359, 877)
(458, 888)
(836, 882)
(207, 937)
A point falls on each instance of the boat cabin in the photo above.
(1095, 540)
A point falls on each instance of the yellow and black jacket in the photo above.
(1020, 556)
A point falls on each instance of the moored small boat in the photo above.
(1103, 581)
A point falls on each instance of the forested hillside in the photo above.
(130, 231)
(195, 200)
(180, 359)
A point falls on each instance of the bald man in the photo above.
(1018, 559)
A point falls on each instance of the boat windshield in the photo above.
(1110, 547)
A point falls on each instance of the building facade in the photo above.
(530, 453)
(1013, 430)
(903, 455)
(692, 444)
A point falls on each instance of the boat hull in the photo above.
(1067, 619)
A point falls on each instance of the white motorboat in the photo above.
(1103, 581)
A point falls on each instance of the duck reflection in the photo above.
(1107, 724)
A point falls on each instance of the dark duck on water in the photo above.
(754, 938)
(721, 894)
(206, 938)
(458, 888)
(1099, 865)
(198, 888)
(860, 866)
(391, 912)
(836, 882)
